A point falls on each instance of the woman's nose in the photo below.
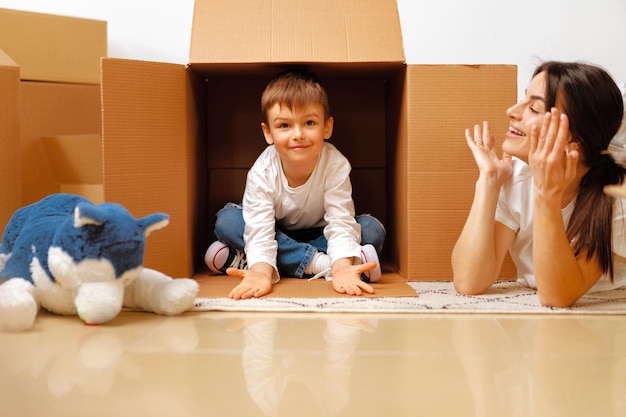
(514, 112)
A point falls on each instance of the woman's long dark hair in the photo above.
(594, 106)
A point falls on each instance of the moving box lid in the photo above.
(288, 31)
(54, 48)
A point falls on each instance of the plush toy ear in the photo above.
(153, 222)
(80, 220)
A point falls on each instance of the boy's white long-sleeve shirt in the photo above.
(325, 200)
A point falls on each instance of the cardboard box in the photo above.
(49, 84)
(32, 111)
(10, 147)
(179, 139)
(50, 110)
(54, 48)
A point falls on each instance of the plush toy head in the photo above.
(101, 232)
(80, 259)
(99, 252)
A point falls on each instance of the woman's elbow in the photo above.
(557, 301)
(467, 286)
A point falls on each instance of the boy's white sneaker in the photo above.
(369, 254)
(219, 257)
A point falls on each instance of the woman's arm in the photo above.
(561, 277)
(479, 252)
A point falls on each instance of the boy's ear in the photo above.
(267, 134)
(328, 128)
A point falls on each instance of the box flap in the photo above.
(284, 31)
(436, 192)
(150, 151)
(10, 146)
(54, 48)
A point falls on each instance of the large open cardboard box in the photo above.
(179, 139)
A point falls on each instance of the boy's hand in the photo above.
(253, 283)
(347, 279)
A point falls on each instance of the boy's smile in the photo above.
(298, 135)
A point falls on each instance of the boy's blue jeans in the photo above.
(295, 247)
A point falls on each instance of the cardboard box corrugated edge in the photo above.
(52, 47)
(151, 152)
(10, 132)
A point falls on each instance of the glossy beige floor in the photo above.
(227, 364)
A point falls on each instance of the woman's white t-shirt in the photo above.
(516, 211)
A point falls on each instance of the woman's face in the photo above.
(523, 115)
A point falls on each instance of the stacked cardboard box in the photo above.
(179, 139)
(10, 147)
(50, 75)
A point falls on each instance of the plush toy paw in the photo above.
(156, 292)
(18, 306)
(99, 302)
(177, 296)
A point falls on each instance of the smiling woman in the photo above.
(543, 201)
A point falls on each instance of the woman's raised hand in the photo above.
(551, 161)
(482, 145)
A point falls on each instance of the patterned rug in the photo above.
(434, 297)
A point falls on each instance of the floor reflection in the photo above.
(233, 364)
(543, 367)
(324, 374)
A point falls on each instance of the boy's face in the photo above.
(297, 134)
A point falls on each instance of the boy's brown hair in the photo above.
(294, 89)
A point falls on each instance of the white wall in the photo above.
(443, 32)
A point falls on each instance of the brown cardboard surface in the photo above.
(152, 153)
(52, 109)
(76, 161)
(54, 48)
(10, 147)
(391, 284)
(241, 31)
(234, 112)
(439, 102)
(75, 158)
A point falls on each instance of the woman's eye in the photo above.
(533, 110)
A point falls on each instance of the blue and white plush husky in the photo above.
(73, 257)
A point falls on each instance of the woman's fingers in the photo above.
(481, 137)
(469, 138)
(487, 138)
(562, 135)
(553, 136)
(477, 135)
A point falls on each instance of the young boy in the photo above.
(297, 217)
